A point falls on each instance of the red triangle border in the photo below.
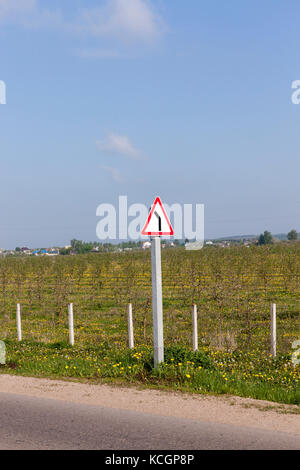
(144, 232)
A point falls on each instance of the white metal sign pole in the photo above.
(156, 225)
(157, 307)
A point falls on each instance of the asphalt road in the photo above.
(39, 423)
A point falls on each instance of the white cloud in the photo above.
(115, 174)
(11, 9)
(119, 144)
(28, 14)
(124, 20)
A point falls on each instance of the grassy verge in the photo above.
(244, 374)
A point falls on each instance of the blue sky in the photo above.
(187, 100)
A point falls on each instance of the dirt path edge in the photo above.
(223, 409)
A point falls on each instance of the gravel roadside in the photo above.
(220, 409)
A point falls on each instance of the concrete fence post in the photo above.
(19, 326)
(130, 326)
(195, 328)
(273, 330)
(71, 324)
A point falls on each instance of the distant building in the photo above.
(146, 245)
(52, 252)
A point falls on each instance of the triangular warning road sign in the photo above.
(158, 222)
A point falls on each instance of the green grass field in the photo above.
(233, 289)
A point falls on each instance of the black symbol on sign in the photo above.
(159, 221)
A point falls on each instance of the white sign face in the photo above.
(158, 222)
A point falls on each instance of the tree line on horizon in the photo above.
(266, 238)
(81, 247)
